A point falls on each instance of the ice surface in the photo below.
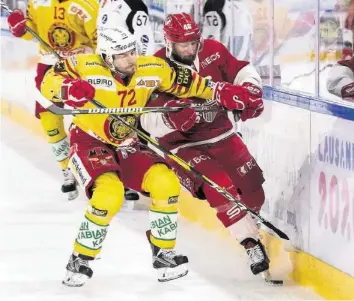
(38, 226)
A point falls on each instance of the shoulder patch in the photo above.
(79, 11)
(94, 64)
(147, 65)
(150, 82)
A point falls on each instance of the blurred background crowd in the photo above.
(293, 43)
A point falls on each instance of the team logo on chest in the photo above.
(61, 37)
(116, 131)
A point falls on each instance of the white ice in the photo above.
(38, 226)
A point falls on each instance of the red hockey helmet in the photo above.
(179, 28)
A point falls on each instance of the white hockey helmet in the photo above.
(111, 41)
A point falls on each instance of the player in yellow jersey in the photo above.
(104, 153)
(69, 27)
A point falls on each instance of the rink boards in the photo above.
(306, 149)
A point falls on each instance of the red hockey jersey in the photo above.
(216, 62)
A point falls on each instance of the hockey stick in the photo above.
(188, 167)
(30, 30)
(208, 181)
(120, 111)
(173, 157)
(116, 111)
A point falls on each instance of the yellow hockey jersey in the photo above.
(152, 73)
(68, 26)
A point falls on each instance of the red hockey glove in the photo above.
(230, 96)
(182, 120)
(76, 92)
(17, 23)
(348, 92)
(255, 105)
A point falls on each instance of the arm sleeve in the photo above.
(184, 82)
(30, 21)
(248, 74)
(54, 77)
(153, 123)
(90, 25)
(338, 77)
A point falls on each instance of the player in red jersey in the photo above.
(208, 140)
(340, 80)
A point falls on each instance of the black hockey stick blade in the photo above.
(188, 167)
(268, 279)
(280, 233)
(53, 108)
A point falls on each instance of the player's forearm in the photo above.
(153, 123)
(200, 87)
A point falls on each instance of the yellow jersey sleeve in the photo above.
(89, 11)
(184, 82)
(30, 21)
(51, 87)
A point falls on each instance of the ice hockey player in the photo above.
(69, 27)
(340, 80)
(103, 154)
(132, 14)
(208, 140)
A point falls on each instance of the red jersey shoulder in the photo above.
(211, 46)
(213, 52)
(161, 53)
(214, 44)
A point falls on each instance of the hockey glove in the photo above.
(17, 23)
(348, 92)
(182, 120)
(76, 92)
(255, 104)
(231, 97)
